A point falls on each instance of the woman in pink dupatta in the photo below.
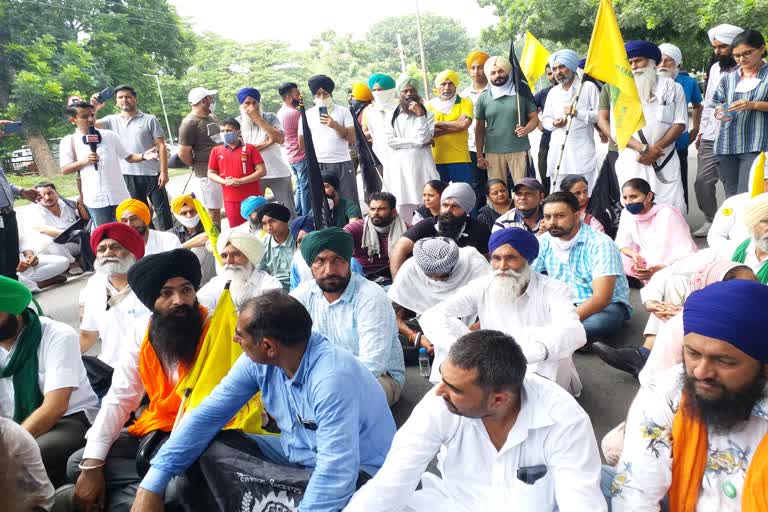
(650, 236)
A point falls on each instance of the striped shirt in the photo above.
(594, 255)
(513, 219)
(748, 131)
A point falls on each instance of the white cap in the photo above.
(197, 94)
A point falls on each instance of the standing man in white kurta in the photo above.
(579, 156)
(650, 153)
(536, 309)
(379, 113)
(409, 135)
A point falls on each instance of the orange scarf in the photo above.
(690, 448)
(164, 401)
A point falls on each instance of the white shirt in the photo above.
(410, 161)
(161, 241)
(645, 468)
(33, 488)
(376, 118)
(272, 155)
(105, 186)
(710, 126)
(41, 216)
(59, 366)
(551, 429)
(472, 94)
(258, 283)
(543, 321)
(728, 223)
(329, 147)
(121, 324)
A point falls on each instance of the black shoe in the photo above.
(630, 360)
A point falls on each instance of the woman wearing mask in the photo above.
(742, 108)
(650, 236)
(431, 196)
(498, 203)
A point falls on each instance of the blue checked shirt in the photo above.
(748, 131)
(594, 255)
(362, 321)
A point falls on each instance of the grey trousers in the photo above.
(66, 436)
(706, 179)
(347, 179)
(282, 189)
(734, 172)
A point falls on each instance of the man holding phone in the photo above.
(332, 131)
(139, 132)
(9, 230)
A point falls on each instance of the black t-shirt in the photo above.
(475, 233)
(541, 99)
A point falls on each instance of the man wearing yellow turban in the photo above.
(192, 235)
(475, 62)
(137, 215)
(453, 117)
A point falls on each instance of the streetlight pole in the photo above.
(421, 51)
(162, 103)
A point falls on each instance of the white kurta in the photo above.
(161, 241)
(376, 119)
(580, 156)
(258, 283)
(667, 108)
(728, 224)
(410, 162)
(543, 321)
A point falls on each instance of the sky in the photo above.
(257, 22)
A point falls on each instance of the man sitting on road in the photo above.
(137, 215)
(191, 233)
(279, 245)
(527, 213)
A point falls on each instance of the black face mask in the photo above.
(174, 335)
(526, 214)
(9, 328)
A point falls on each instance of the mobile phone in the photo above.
(105, 94)
(323, 111)
(11, 128)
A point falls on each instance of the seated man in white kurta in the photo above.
(505, 440)
(536, 309)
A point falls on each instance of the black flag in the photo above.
(320, 210)
(521, 84)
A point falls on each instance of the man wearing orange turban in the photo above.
(136, 214)
(475, 62)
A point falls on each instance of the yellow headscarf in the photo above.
(448, 74)
(361, 92)
(476, 56)
(136, 207)
(179, 201)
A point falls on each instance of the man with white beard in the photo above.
(264, 130)
(112, 311)
(535, 309)
(650, 153)
(240, 255)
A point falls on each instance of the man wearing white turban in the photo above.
(241, 254)
(721, 38)
(753, 251)
(578, 155)
(670, 67)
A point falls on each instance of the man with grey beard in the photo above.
(536, 309)
(240, 254)
(111, 311)
(263, 130)
(650, 153)
(753, 251)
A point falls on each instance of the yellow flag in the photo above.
(607, 61)
(533, 60)
(217, 355)
(757, 176)
(208, 226)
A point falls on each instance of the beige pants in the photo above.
(391, 389)
(499, 163)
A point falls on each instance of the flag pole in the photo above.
(567, 130)
(515, 78)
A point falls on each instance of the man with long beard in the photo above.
(351, 311)
(136, 214)
(650, 153)
(105, 469)
(241, 255)
(699, 434)
(111, 311)
(537, 310)
(753, 251)
(263, 130)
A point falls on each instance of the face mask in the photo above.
(188, 223)
(635, 208)
(324, 102)
(382, 98)
(229, 137)
(527, 213)
(212, 106)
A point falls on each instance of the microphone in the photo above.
(93, 139)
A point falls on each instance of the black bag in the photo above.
(605, 201)
(148, 447)
(99, 375)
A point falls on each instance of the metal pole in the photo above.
(162, 104)
(421, 51)
(402, 53)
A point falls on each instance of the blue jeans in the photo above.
(607, 475)
(606, 322)
(457, 172)
(102, 215)
(303, 206)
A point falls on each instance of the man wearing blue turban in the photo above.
(263, 129)
(650, 153)
(535, 309)
(565, 113)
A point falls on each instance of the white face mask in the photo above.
(324, 102)
(188, 223)
(213, 106)
(382, 98)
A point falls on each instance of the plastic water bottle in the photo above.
(424, 369)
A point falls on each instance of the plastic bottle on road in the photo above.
(424, 369)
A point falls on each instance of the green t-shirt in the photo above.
(344, 211)
(500, 116)
(604, 103)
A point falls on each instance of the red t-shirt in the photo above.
(229, 163)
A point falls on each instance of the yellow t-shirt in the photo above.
(452, 148)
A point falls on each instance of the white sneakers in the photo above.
(703, 230)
